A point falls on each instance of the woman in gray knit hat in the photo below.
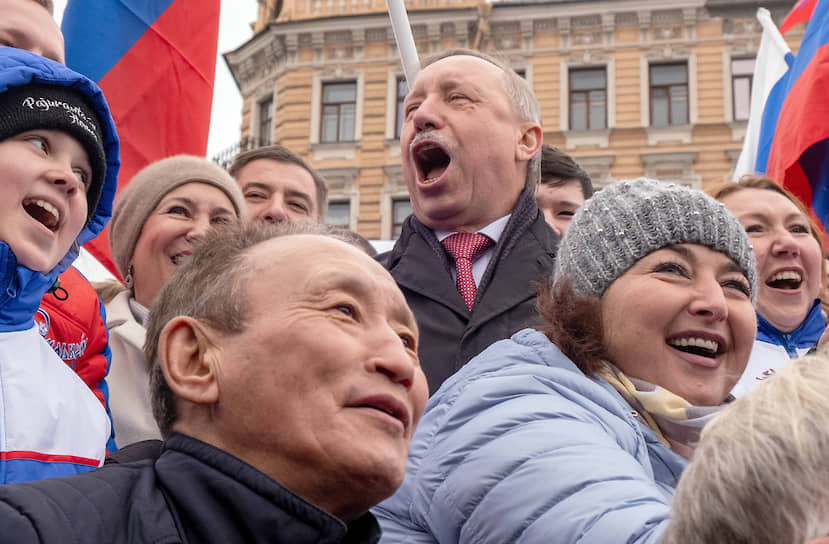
(158, 216)
(579, 431)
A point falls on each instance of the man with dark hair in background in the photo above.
(563, 189)
(279, 186)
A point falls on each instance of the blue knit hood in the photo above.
(21, 288)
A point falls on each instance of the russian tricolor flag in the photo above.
(798, 152)
(768, 88)
(155, 60)
(794, 133)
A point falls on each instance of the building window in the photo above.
(742, 70)
(402, 91)
(338, 214)
(669, 94)
(339, 106)
(265, 121)
(401, 208)
(588, 99)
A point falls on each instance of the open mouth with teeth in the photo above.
(432, 161)
(788, 279)
(696, 346)
(43, 212)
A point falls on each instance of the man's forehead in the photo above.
(461, 68)
(304, 253)
(274, 172)
(323, 264)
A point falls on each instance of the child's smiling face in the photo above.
(44, 175)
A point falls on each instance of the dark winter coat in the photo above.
(191, 492)
(450, 335)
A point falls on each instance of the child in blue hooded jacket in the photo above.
(58, 170)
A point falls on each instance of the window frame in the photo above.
(396, 227)
(734, 78)
(668, 87)
(265, 111)
(333, 203)
(324, 104)
(570, 92)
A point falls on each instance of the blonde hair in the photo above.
(760, 473)
(749, 181)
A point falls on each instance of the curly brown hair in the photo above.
(573, 323)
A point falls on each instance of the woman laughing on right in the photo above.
(790, 271)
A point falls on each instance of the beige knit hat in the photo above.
(139, 198)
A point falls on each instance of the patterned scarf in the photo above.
(673, 419)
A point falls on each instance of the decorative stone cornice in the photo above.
(514, 26)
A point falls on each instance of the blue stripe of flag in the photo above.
(99, 32)
(771, 111)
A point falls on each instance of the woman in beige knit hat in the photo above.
(158, 216)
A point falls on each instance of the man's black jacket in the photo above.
(192, 492)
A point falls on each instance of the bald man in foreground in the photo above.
(287, 387)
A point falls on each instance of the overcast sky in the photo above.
(234, 29)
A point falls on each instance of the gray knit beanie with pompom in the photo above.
(628, 220)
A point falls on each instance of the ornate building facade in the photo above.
(628, 87)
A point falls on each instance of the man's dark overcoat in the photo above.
(450, 335)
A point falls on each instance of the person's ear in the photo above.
(189, 358)
(530, 142)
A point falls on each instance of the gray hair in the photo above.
(760, 473)
(210, 287)
(521, 97)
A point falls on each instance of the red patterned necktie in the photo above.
(465, 247)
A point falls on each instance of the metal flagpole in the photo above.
(405, 40)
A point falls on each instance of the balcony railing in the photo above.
(225, 157)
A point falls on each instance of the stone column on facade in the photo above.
(462, 33)
(358, 40)
(527, 34)
(564, 32)
(318, 44)
(608, 26)
(644, 26)
(291, 44)
(689, 17)
(433, 35)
